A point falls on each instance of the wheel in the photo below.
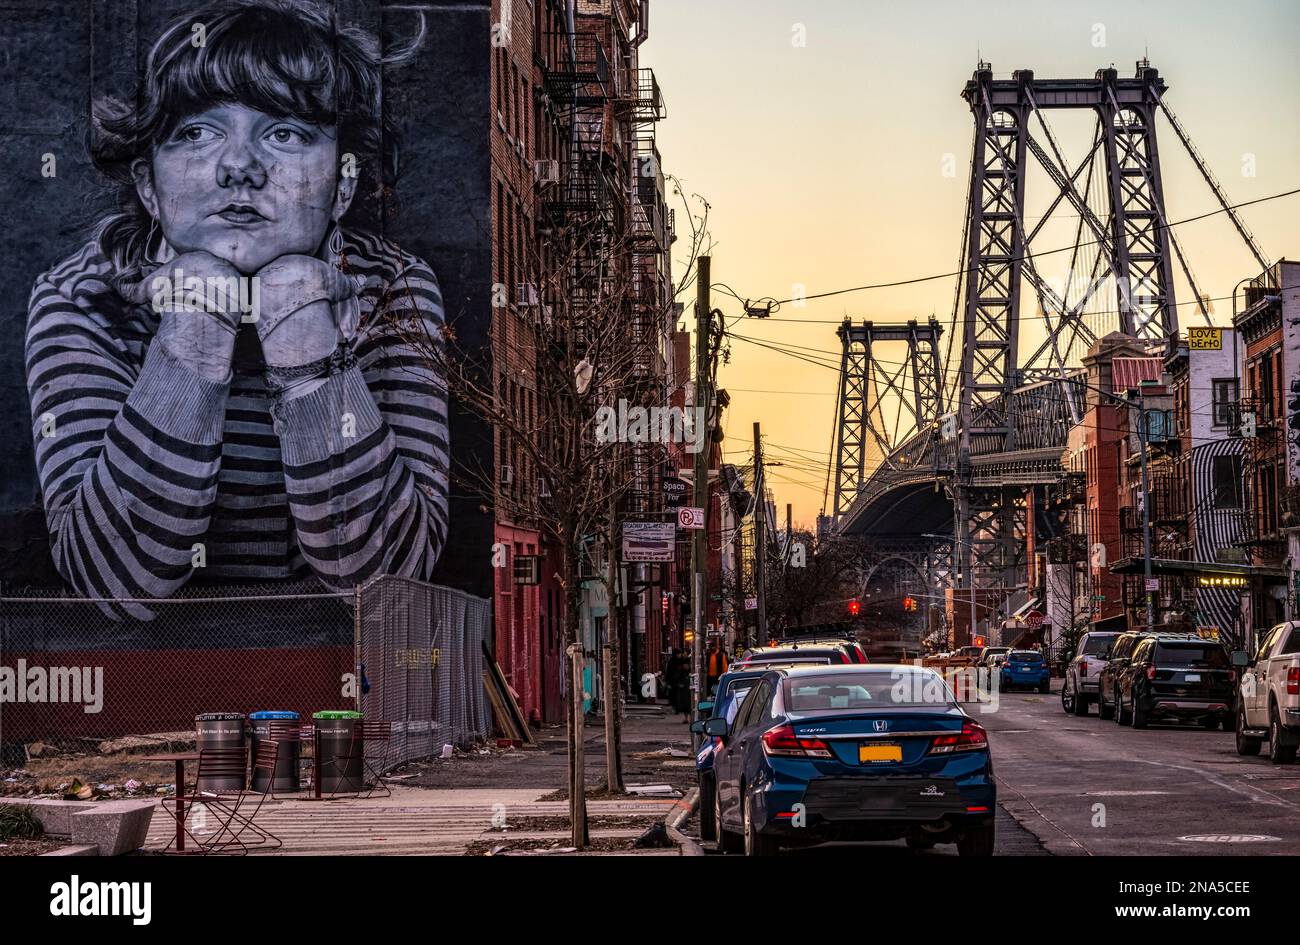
(1138, 715)
(1104, 711)
(1046, 686)
(976, 841)
(1279, 752)
(1227, 722)
(707, 829)
(728, 842)
(1122, 715)
(1246, 745)
(755, 843)
(1067, 698)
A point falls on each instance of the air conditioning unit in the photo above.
(547, 171)
(506, 475)
(543, 490)
(526, 295)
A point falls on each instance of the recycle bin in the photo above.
(220, 730)
(340, 751)
(285, 777)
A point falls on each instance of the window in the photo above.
(1292, 645)
(1226, 482)
(1225, 399)
(1266, 643)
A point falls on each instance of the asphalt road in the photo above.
(1088, 787)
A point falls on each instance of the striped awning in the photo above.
(1129, 373)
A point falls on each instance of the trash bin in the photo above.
(339, 765)
(220, 730)
(267, 725)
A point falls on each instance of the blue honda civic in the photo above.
(849, 753)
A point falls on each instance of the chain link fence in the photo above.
(76, 672)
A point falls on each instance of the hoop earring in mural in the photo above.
(336, 246)
(148, 240)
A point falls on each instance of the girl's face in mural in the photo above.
(245, 186)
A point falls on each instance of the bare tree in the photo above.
(588, 340)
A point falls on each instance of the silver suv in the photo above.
(1090, 657)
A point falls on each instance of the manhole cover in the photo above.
(1123, 794)
(1230, 838)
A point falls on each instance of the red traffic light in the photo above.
(855, 607)
(909, 603)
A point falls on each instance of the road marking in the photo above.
(1230, 838)
(1120, 793)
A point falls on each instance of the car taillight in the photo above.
(782, 741)
(1083, 667)
(971, 737)
(1232, 675)
(1293, 681)
(1151, 672)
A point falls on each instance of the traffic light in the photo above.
(909, 603)
(855, 607)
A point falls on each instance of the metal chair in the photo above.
(365, 734)
(234, 820)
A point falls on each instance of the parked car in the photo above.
(992, 656)
(1080, 686)
(820, 753)
(971, 653)
(1178, 676)
(788, 652)
(1026, 668)
(1108, 678)
(1269, 695)
(852, 647)
(730, 691)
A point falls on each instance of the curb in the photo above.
(77, 849)
(677, 815)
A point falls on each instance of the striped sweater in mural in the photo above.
(140, 459)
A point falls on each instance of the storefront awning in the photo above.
(1174, 566)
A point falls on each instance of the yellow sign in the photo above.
(1205, 339)
(1222, 580)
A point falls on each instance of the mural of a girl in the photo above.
(177, 435)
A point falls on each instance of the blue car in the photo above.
(850, 753)
(1026, 668)
(730, 692)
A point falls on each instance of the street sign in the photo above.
(1034, 620)
(688, 517)
(649, 542)
(1153, 584)
(675, 491)
(751, 603)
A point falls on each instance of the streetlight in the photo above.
(971, 576)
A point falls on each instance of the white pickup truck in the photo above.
(1269, 695)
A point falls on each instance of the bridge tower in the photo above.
(1133, 257)
(868, 432)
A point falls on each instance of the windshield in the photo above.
(1191, 654)
(1025, 656)
(894, 687)
(1097, 645)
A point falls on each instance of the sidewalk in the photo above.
(491, 801)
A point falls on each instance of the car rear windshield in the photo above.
(905, 687)
(1097, 645)
(1191, 654)
(789, 656)
(1025, 656)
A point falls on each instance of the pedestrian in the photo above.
(716, 664)
(677, 676)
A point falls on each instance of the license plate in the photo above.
(875, 754)
(1191, 677)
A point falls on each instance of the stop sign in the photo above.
(1034, 620)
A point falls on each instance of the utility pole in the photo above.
(700, 487)
(760, 537)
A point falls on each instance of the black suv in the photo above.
(1108, 681)
(1178, 676)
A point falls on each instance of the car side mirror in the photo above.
(716, 727)
(697, 728)
(1240, 659)
(706, 706)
